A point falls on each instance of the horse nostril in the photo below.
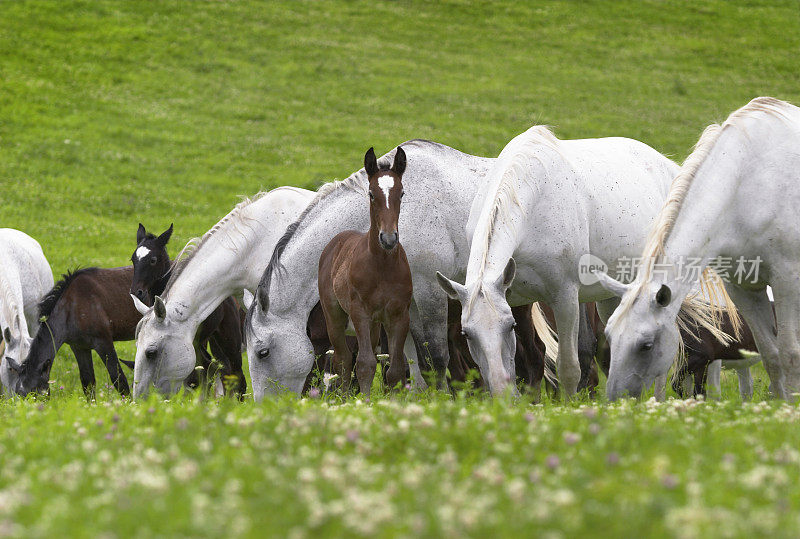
(140, 293)
(388, 241)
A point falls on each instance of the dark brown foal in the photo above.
(89, 309)
(366, 276)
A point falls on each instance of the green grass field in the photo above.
(112, 113)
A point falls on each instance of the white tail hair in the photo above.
(548, 337)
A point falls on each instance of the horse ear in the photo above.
(164, 238)
(141, 307)
(140, 234)
(7, 336)
(399, 165)
(453, 289)
(160, 309)
(371, 162)
(13, 365)
(247, 298)
(263, 299)
(612, 285)
(507, 277)
(664, 295)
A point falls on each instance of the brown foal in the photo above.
(366, 276)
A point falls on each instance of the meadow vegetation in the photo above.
(115, 113)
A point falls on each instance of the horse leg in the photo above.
(376, 340)
(412, 356)
(397, 330)
(787, 313)
(411, 350)
(587, 346)
(604, 309)
(366, 362)
(228, 351)
(83, 356)
(336, 325)
(108, 354)
(203, 376)
(679, 380)
(530, 353)
(697, 364)
(660, 389)
(756, 309)
(567, 312)
(226, 344)
(745, 383)
(431, 328)
(713, 378)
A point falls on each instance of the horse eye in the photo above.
(464, 334)
(263, 353)
(402, 194)
(646, 346)
(150, 353)
(371, 196)
(153, 261)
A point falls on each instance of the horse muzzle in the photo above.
(388, 240)
(632, 386)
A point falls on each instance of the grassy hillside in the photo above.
(112, 113)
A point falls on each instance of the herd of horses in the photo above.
(286, 273)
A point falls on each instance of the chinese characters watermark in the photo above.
(740, 270)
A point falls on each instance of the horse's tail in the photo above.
(548, 337)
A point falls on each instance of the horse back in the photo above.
(98, 304)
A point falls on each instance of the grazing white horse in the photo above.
(736, 197)
(440, 184)
(548, 203)
(25, 277)
(228, 259)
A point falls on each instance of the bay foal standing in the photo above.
(367, 277)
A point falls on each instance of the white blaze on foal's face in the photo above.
(142, 252)
(386, 182)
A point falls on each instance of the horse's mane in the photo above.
(50, 300)
(354, 182)
(194, 245)
(507, 172)
(697, 311)
(9, 301)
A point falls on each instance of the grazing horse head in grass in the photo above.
(546, 203)
(228, 258)
(25, 277)
(151, 264)
(88, 309)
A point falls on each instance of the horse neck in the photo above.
(11, 299)
(293, 286)
(214, 273)
(704, 225)
(157, 288)
(496, 235)
(51, 335)
(223, 263)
